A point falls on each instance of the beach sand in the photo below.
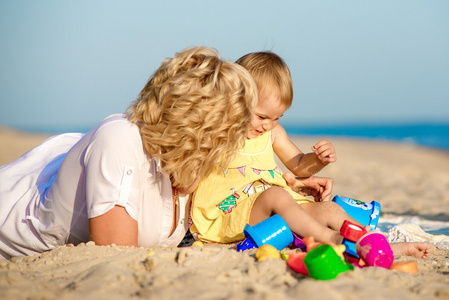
(406, 180)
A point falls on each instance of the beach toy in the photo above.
(197, 244)
(340, 249)
(355, 261)
(273, 231)
(296, 262)
(312, 244)
(365, 213)
(323, 263)
(375, 250)
(284, 256)
(405, 266)
(298, 243)
(266, 251)
(350, 248)
(246, 244)
(351, 233)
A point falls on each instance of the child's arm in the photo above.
(300, 164)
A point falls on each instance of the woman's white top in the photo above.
(48, 194)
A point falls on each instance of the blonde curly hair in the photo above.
(269, 71)
(194, 113)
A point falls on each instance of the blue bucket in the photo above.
(365, 213)
(272, 231)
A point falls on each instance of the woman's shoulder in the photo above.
(117, 126)
(118, 120)
(115, 133)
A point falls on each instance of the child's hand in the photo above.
(325, 151)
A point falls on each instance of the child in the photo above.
(251, 188)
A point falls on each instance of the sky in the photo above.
(66, 65)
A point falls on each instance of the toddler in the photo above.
(251, 188)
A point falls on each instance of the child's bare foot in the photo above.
(415, 249)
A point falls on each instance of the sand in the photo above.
(407, 180)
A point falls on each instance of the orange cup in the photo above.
(405, 266)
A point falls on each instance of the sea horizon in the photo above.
(426, 134)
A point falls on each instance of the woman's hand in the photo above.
(320, 188)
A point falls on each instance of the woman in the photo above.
(127, 180)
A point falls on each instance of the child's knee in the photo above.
(277, 193)
(274, 196)
(270, 201)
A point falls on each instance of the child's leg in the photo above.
(276, 200)
(415, 249)
(329, 213)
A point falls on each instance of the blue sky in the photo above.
(65, 65)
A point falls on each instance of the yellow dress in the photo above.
(222, 203)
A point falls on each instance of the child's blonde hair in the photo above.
(194, 113)
(269, 71)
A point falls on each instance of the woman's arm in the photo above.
(318, 187)
(114, 227)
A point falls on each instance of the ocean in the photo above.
(429, 135)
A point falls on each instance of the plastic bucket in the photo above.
(273, 231)
(365, 213)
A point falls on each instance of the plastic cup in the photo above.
(365, 213)
(273, 231)
(351, 233)
(375, 250)
(405, 266)
(323, 263)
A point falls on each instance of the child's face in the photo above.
(268, 111)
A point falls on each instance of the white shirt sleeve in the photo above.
(112, 166)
